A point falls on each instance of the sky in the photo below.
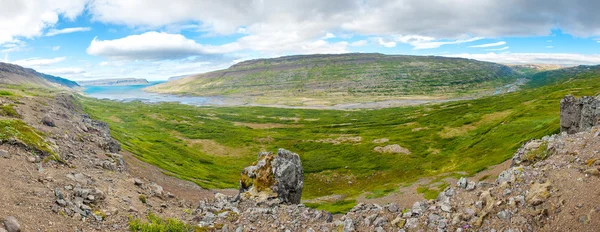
(158, 39)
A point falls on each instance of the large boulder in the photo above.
(578, 115)
(274, 176)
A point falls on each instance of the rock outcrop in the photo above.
(274, 176)
(578, 115)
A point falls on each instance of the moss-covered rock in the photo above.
(273, 176)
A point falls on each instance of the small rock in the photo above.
(507, 192)
(4, 154)
(399, 222)
(380, 221)
(471, 186)
(59, 194)
(504, 215)
(48, 121)
(138, 182)
(132, 209)
(379, 229)
(462, 183)
(61, 202)
(348, 225)
(393, 208)
(11, 224)
(412, 223)
(31, 159)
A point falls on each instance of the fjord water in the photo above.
(129, 93)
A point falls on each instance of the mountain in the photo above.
(114, 82)
(16, 75)
(346, 77)
(178, 77)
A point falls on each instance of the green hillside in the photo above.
(210, 146)
(332, 79)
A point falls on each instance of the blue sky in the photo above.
(84, 40)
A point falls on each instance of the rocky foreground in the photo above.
(553, 185)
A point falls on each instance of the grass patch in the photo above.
(430, 192)
(17, 129)
(342, 206)
(380, 193)
(9, 111)
(157, 224)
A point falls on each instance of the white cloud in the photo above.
(329, 36)
(534, 58)
(28, 18)
(38, 62)
(425, 42)
(55, 48)
(385, 43)
(160, 46)
(498, 49)
(359, 43)
(153, 46)
(489, 45)
(13, 46)
(549, 47)
(64, 71)
(53, 32)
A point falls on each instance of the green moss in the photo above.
(5, 93)
(541, 153)
(157, 224)
(17, 129)
(432, 192)
(143, 198)
(380, 193)
(9, 111)
(337, 207)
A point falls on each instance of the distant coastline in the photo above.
(114, 82)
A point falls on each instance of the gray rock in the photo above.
(577, 115)
(411, 223)
(4, 154)
(11, 224)
(446, 207)
(369, 219)
(471, 186)
(61, 202)
(462, 183)
(348, 225)
(504, 215)
(419, 207)
(285, 168)
(380, 221)
(379, 229)
(393, 208)
(138, 182)
(48, 121)
(59, 194)
(239, 229)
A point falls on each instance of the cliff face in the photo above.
(114, 82)
(579, 114)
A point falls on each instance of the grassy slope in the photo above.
(465, 136)
(330, 79)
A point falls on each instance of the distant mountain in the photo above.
(17, 75)
(178, 77)
(114, 82)
(330, 77)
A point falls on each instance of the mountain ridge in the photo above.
(17, 75)
(345, 78)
